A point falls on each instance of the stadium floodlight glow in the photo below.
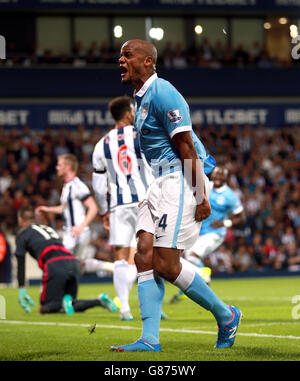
(118, 31)
(283, 20)
(156, 33)
(293, 30)
(267, 25)
(198, 29)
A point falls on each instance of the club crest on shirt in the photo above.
(174, 116)
(221, 200)
(144, 111)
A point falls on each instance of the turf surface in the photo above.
(270, 329)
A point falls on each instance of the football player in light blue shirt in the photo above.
(163, 121)
(226, 211)
(224, 202)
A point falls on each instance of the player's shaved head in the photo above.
(220, 176)
(222, 170)
(145, 47)
(137, 62)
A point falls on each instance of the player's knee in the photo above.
(143, 261)
(145, 247)
(164, 270)
(50, 308)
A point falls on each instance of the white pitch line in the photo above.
(136, 328)
(265, 324)
(63, 324)
(249, 299)
(270, 324)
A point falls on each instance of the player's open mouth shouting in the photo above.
(123, 71)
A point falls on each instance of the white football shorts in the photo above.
(122, 221)
(169, 212)
(78, 245)
(206, 244)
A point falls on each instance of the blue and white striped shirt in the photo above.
(120, 168)
(72, 197)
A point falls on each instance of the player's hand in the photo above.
(105, 221)
(76, 230)
(217, 224)
(25, 300)
(203, 210)
(40, 209)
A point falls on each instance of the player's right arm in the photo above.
(58, 209)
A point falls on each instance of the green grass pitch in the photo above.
(270, 329)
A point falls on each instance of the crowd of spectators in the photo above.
(264, 169)
(219, 55)
(205, 55)
(265, 173)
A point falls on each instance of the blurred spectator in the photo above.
(242, 259)
(270, 251)
(221, 260)
(264, 61)
(288, 236)
(167, 55)
(289, 258)
(179, 60)
(5, 180)
(3, 156)
(254, 52)
(241, 56)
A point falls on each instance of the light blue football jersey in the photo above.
(223, 202)
(161, 112)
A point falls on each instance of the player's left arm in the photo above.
(25, 300)
(175, 116)
(238, 219)
(237, 215)
(193, 172)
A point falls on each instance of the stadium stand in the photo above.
(249, 61)
(207, 55)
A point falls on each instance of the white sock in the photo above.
(186, 276)
(132, 275)
(190, 266)
(145, 275)
(121, 283)
(93, 265)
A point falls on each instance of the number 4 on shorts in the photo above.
(163, 222)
